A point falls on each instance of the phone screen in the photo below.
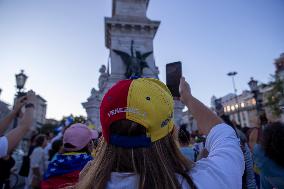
(173, 75)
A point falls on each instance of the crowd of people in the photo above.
(140, 147)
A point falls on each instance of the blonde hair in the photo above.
(156, 165)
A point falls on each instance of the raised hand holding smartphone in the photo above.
(173, 75)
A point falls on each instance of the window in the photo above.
(228, 108)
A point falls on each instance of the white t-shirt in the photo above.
(37, 160)
(224, 166)
(222, 169)
(3, 146)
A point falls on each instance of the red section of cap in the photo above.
(114, 99)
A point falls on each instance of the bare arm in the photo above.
(253, 138)
(225, 163)
(4, 124)
(204, 117)
(16, 135)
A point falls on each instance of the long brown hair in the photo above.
(156, 165)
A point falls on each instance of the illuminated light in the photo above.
(228, 108)
(273, 97)
(236, 106)
(232, 108)
(242, 104)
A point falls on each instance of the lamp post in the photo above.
(21, 79)
(258, 101)
(233, 74)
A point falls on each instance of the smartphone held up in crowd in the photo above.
(173, 75)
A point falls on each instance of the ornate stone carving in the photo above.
(123, 27)
(103, 78)
(94, 93)
(135, 63)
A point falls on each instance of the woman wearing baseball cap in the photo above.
(139, 149)
(65, 168)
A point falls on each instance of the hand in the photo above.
(184, 90)
(31, 98)
(28, 115)
(20, 102)
(203, 154)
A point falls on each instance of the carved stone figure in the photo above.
(134, 63)
(94, 92)
(103, 78)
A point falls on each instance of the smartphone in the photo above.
(173, 75)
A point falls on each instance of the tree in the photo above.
(275, 98)
(80, 119)
(48, 128)
(73, 119)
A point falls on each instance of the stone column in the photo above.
(178, 114)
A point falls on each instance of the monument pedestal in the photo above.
(129, 36)
(178, 114)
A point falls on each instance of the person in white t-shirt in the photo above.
(9, 141)
(138, 149)
(38, 162)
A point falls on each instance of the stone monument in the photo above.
(129, 36)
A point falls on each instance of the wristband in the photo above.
(29, 105)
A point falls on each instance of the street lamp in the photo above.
(233, 74)
(21, 79)
(253, 84)
(255, 91)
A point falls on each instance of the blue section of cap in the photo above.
(130, 141)
(134, 77)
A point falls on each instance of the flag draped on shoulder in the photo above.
(64, 170)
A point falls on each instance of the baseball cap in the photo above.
(79, 135)
(146, 101)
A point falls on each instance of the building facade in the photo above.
(4, 109)
(188, 119)
(251, 108)
(40, 112)
(240, 109)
